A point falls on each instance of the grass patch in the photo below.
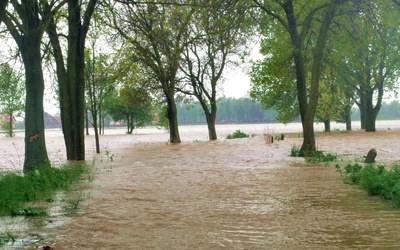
(319, 156)
(20, 194)
(237, 134)
(375, 180)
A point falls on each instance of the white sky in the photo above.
(237, 84)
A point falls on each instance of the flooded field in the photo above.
(226, 194)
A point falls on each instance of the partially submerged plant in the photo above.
(295, 151)
(237, 134)
(314, 156)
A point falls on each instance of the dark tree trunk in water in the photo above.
(172, 115)
(11, 125)
(327, 125)
(212, 132)
(309, 137)
(210, 118)
(35, 146)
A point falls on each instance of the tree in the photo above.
(155, 32)
(368, 56)
(71, 81)
(305, 30)
(332, 99)
(217, 33)
(100, 74)
(26, 22)
(12, 94)
(133, 105)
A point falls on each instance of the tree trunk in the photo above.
(210, 118)
(87, 121)
(97, 139)
(370, 114)
(35, 146)
(309, 137)
(10, 131)
(96, 130)
(370, 123)
(212, 132)
(327, 125)
(172, 115)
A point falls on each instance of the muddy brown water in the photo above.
(227, 194)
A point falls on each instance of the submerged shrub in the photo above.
(237, 134)
(295, 151)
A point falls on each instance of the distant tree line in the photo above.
(245, 110)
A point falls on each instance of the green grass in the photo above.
(237, 134)
(375, 180)
(295, 151)
(21, 194)
(314, 156)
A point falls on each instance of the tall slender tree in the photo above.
(218, 31)
(12, 99)
(71, 75)
(306, 26)
(155, 32)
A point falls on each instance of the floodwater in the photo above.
(226, 194)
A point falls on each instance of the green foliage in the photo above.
(366, 55)
(350, 173)
(12, 95)
(295, 151)
(162, 120)
(133, 105)
(18, 192)
(313, 156)
(237, 134)
(375, 180)
(319, 156)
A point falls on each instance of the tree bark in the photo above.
(327, 125)
(11, 125)
(35, 146)
(172, 115)
(210, 117)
